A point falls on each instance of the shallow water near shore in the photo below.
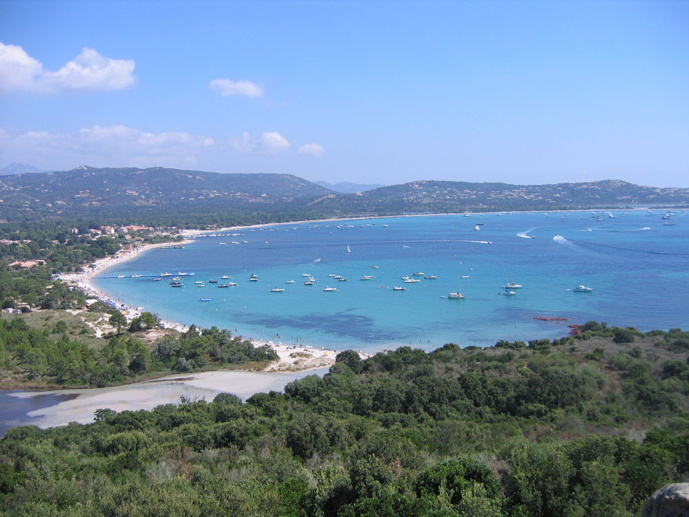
(636, 263)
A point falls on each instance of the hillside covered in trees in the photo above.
(174, 197)
(587, 425)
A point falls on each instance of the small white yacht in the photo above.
(582, 289)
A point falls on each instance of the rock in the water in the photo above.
(670, 501)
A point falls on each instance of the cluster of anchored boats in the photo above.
(509, 289)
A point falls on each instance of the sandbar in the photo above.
(147, 395)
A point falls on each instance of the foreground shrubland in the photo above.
(586, 425)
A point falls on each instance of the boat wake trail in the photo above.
(632, 250)
(525, 234)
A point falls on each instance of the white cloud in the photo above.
(89, 71)
(103, 146)
(226, 87)
(316, 150)
(268, 143)
(92, 71)
(273, 142)
(243, 144)
(18, 70)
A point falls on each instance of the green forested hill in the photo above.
(179, 197)
(588, 425)
(148, 193)
(459, 196)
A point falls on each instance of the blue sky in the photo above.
(366, 91)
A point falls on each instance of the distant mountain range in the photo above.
(348, 187)
(169, 194)
(18, 168)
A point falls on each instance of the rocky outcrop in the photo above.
(670, 501)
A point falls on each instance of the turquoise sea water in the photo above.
(636, 262)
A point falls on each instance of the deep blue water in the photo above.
(636, 263)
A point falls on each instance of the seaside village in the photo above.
(130, 233)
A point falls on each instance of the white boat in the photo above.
(277, 290)
(507, 292)
(456, 296)
(367, 277)
(205, 300)
(512, 285)
(399, 288)
(418, 274)
(329, 289)
(431, 277)
(582, 289)
(348, 249)
(412, 281)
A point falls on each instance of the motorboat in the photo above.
(582, 289)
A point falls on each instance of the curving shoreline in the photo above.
(291, 358)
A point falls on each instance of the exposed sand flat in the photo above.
(149, 394)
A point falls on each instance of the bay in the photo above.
(635, 262)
